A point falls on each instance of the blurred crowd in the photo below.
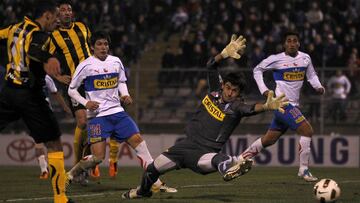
(328, 28)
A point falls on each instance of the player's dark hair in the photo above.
(236, 79)
(61, 2)
(99, 35)
(42, 6)
(290, 32)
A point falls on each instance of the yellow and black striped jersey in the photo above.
(71, 46)
(27, 50)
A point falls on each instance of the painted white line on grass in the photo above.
(107, 193)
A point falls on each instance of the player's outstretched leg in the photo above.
(231, 167)
(304, 154)
(83, 165)
(150, 176)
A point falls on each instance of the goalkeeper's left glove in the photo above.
(234, 47)
(275, 103)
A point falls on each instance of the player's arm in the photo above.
(125, 97)
(39, 51)
(348, 85)
(78, 77)
(313, 79)
(50, 85)
(234, 50)
(258, 71)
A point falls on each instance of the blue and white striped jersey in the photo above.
(101, 80)
(289, 73)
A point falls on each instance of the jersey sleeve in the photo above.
(50, 84)
(264, 65)
(243, 109)
(213, 75)
(39, 47)
(78, 77)
(311, 75)
(122, 73)
(5, 32)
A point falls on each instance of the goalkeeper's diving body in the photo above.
(210, 128)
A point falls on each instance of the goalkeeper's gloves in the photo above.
(275, 103)
(235, 47)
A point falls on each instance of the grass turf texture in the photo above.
(262, 184)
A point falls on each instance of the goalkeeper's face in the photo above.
(230, 92)
(291, 45)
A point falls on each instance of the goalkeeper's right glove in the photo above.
(275, 103)
(234, 47)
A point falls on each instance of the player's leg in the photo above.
(305, 130)
(44, 128)
(113, 153)
(80, 134)
(161, 165)
(40, 155)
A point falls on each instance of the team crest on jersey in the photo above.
(106, 83)
(212, 109)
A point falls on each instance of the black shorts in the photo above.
(186, 154)
(31, 106)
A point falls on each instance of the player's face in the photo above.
(52, 20)
(66, 13)
(230, 92)
(292, 45)
(101, 49)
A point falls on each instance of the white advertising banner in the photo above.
(334, 151)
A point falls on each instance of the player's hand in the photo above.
(65, 79)
(235, 48)
(126, 99)
(52, 67)
(320, 90)
(275, 103)
(92, 105)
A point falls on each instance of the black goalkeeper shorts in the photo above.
(31, 106)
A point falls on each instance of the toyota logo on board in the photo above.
(21, 150)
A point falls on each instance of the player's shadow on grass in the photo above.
(218, 197)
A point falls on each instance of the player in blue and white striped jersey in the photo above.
(104, 77)
(289, 70)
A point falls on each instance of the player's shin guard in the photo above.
(84, 164)
(57, 174)
(254, 149)
(150, 176)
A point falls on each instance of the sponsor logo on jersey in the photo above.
(106, 83)
(294, 76)
(212, 109)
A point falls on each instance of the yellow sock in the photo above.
(77, 145)
(114, 149)
(84, 142)
(57, 172)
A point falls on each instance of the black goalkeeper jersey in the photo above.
(214, 121)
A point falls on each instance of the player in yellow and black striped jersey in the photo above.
(22, 96)
(69, 43)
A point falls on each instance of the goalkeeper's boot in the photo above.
(133, 194)
(95, 172)
(163, 188)
(44, 175)
(112, 169)
(307, 176)
(240, 168)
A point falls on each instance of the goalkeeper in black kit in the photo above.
(214, 121)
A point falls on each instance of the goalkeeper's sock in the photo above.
(254, 149)
(150, 176)
(223, 162)
(114, 149)
(78, 151)
(304, 152)
(57, 174)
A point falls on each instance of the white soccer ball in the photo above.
(326, 190)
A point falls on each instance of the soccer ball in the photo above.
(326, 190)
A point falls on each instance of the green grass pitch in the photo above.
(262, 184)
